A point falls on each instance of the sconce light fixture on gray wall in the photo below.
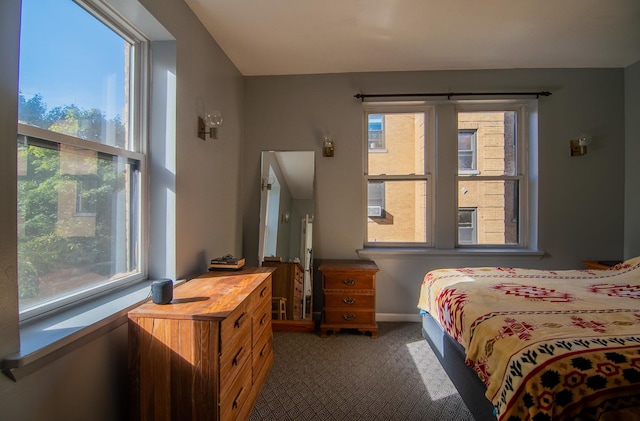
(328, 147)
(579, 146)
(212, 120)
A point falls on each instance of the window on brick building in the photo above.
(375, 132)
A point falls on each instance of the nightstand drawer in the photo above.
(347, 317)
(356, 299)
(348, 280)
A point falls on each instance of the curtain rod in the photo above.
(450, 94)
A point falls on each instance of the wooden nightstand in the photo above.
(600, 264)
(349, 289)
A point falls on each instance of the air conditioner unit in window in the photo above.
(374, 210)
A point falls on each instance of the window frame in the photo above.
(442, 172)
(429, 153)
(137, 141)
(521, 171)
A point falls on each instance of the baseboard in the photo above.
(397, 317)
(300, 326)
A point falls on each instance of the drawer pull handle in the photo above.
(349, 300)
(349, 316)
(263, 319)
(239, 321)
(262, 351)
(235, 401)
(349, 282)
(236, 358)
(263, 292)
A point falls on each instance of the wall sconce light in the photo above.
(579, 146)
(328, 147)
(284, 218)
(266, 183)
(212, 120)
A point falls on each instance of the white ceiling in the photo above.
(275, 37)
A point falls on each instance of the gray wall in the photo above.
(632, 169)
(202, 189)
(581, 199)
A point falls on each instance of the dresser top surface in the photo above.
(211, 296)
(351, 265)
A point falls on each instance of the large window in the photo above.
(80, 158)
(397, 178)
(493, 189)
(479, 191)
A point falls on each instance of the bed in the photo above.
(525, 344)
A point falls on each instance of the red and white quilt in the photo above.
(547, 344)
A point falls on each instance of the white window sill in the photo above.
(480, 253)
(47, 338)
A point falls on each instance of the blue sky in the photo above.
(68, 57)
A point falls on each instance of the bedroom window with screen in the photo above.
(397, 177)
(479, 195)
(80, 153)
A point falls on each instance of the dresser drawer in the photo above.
(261, 320)
(235, 336)
(348, 280)
(349, 317)
(355, 300)
(232, 361)
(262, 295)
(262, 353)
(234, 397)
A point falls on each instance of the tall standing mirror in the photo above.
(286, 230)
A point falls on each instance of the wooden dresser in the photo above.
(206, 355)
(287, 283)
(349, 289)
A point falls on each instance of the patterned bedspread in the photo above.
(547, 344)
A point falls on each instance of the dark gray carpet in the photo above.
(349, 376)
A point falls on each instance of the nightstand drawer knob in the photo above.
(349, 300)
(349, 282)
(349, 316)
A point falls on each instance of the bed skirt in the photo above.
(451, 356)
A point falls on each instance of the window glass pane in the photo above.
(495, 137)
(466, 226)
(77, 220)
(497, 209)
(466, 150)
(376, 132)
(375, 199)
(403, 218)
(404, 143)
(74, 73)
